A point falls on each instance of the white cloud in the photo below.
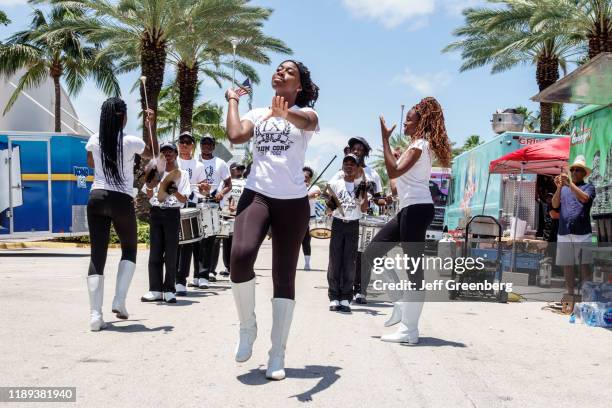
(323, 147)
(13, 2)
(391, 13)
(425, 84)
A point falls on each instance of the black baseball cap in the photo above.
(206, 137)
(358, 139)
(168, 145)
(352, 157)
(235, 165)
(187, 134)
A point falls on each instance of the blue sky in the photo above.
(368, 57)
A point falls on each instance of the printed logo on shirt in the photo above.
(209, 171)
(347, 201)
(272, 137)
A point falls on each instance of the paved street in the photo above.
(471, 354)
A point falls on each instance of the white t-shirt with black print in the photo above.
(235, 192)
(345, 191)
(413, 186)
(279, 150)
(171, 201)
(196, 175)
(131, 145)
(215, 172)
(371, 175)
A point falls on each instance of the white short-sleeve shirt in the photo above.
(279, 150)
(345, 191)
(413, 186)
(195, 169)
(132, 145)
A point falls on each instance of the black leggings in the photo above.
(409, 227)
(288, 220)
(306, 243)
(104, 207)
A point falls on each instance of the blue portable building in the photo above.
(44, 184)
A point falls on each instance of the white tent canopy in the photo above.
(33, 110)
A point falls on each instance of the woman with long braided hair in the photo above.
(111, 154)
(424, 125)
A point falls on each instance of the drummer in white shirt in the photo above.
(217, 184)
(187, 162)
(231, 204)
(345, 234)
(313, 193)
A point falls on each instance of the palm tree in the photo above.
(4, 20)
(208, 118)
(560, 124)
(504, 38)
(203, 46)
(588, 21)
(49, 48)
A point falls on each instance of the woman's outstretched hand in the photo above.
(384, 131)
(279, 108)
(231, 94)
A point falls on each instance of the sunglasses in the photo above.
(575, 170)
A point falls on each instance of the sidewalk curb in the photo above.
(55, 245)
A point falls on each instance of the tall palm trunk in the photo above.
(153, 63)
(600, 40)
(56, 73)
(187, 78)
(547, 73)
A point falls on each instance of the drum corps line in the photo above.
(199, 205)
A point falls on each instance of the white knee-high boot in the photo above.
(244, 297)
(95, 286)
(124, 278)
(408, 330)
(282, 315)
(396, 315)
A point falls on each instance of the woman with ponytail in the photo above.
(425, 126)
(111, 154)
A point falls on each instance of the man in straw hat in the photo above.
(573, 199)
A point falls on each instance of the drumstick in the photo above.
(317, 179)
(143, 80)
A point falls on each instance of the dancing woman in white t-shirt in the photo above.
(111, 154)
(425, 126)
(274, 196)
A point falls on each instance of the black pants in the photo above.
(342, 255)
(209, 256)
(164, 235)
(227, 251)
(306, 249)
(104, 207)
(185, 254)
(409, 227)
(288, 220)
(357, 282)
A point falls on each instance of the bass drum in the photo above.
(191, 226)
(211, 218)
(320, 227)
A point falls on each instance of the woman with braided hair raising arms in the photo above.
(424, 125)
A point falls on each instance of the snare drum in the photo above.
(227, 227)
(369, 226)
(320, 227)
(191, 226)
(211, 220)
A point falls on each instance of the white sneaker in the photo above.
(194, 282)
(180, 289)
(334, 305)
(203, 283)
(345, 306)
(169, 297)
(151, 296)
